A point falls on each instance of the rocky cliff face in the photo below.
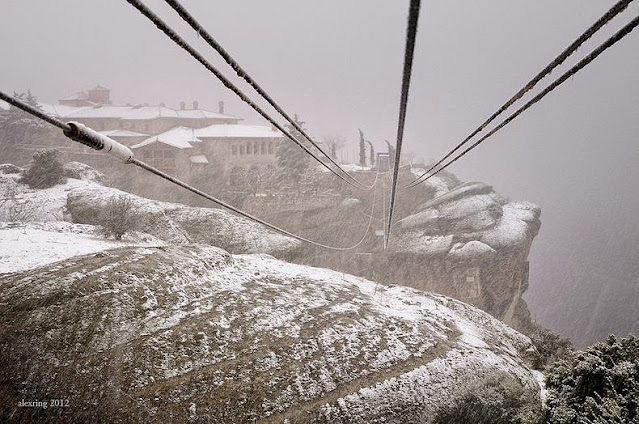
(463, 240)
(470, 243)
(459, 239)
(193, 334)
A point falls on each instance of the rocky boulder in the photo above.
(470, 243)
(175, 223)
(193, 334)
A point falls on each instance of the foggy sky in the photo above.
(338, 65)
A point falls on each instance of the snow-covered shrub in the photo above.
(551, 347)
(497, 399)
(45, 170)
(118, 217)
(14, 208)
(599, 385)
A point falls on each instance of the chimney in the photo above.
(220, 107)
(182, 105)
(195, 105)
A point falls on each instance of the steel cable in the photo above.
(614, 11)
(572, 71)
(201, 31)
(411, 35)
(68, 130)
(169, 32)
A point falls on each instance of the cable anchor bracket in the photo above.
(93, 139)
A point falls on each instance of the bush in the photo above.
(45, 171)
(118, 217)
(600, 385)
(550, 346)
(497, 399)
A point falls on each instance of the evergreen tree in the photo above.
(600, 385)
(45, 170)
(17, 127)
(291, 158)
(372, 154)
(362, 149)
(391, 155)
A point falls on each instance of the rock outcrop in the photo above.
(83, 198)
(193, 334)
(470, 243)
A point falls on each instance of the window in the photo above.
(270, 148)
(234, 150)
(263, 148)
(242, 149)
(256, 149)
(249, 148)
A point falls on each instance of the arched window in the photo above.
(249, 148)
(263, 148)
(256, 149)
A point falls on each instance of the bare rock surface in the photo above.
(192, 333)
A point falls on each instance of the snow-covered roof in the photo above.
(98, 111)
(149, 112)
(130, 112)
(4, 105)
(237, 131)
(123, 133)
(198, 159)
(180, 137)
(80, 95)
(201, 114)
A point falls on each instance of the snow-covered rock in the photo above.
(82, 200)
(349, 203)
(192, 333)
(470, 211)
(469, 243)
(472, 250)
(9, 168)
(518, 225)
(177, 223)
(25, 246)
(81, 171)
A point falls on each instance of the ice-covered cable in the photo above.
(169, 32)
(201, 31)
(89, 137)
(572, 71)
(614, 11)
(411, 35)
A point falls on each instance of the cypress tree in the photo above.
(362, 149)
